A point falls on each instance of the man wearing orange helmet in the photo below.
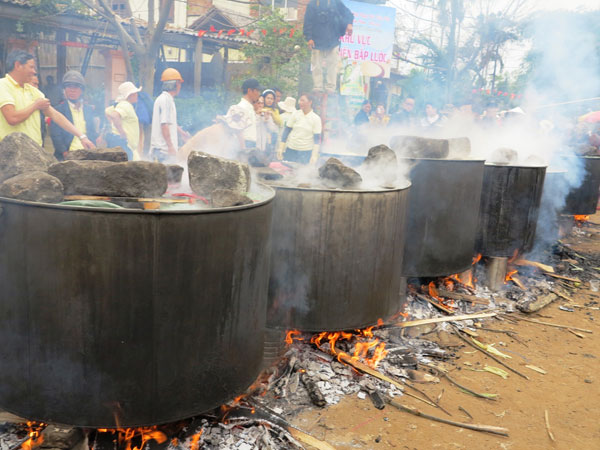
(163, 140)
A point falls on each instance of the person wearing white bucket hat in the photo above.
(224, 138)
(125, 124)
(288, 106)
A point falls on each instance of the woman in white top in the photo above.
(265, 127)
(302, 134)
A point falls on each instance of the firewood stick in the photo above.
(498, 360)
(458, 385)
(518, 282)
(436, 304)
(295, 432)
(561, 295)
(426, 396)
(309, 439)
(583, 330)
(560, 277)
(459, 296)
(485, 428)
(344, 357)
(537, 265)
(416, 323)
(547, 420)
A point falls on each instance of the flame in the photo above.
(291, 335)
(581, 219)
(476, 259)
(194, 444)
(509, 275)
(125, 436)
(433, 291)
(365, 344)
(34, 431)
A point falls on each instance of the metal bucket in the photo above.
(510, 202)
(442, 217)
(336, 259)
(584, 199)
(117, 317)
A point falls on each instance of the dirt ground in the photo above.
(569, 391)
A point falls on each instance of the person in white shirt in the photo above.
(302, 134)
(163, 139)
(251, 90)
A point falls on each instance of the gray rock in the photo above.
(380, 167)
(105, 178)
(459, 148)
(19, 154)
(266, 173)
(339, 175)
(420, 147)
(61, 437)
(208, 173)
(381, 155)
(222, 198)
(174, 173)
(115, 154)
(257, 158)
(503, 156)
(34, 187)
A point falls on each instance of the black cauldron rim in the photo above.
(519, 166)
(406, 185)
(408, 158)
(269, 189)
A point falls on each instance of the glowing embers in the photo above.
(133, 438)
(357, 345)
(34, 435)
(580, 220)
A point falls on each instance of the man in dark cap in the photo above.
(78, 113)
(325, 22)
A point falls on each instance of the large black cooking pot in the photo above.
(556, 186)
(584, 199)
(336, 259)
(121, 317)
(442, 216)
(510, 202)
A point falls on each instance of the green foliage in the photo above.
(279, 60)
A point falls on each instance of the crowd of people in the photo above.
(279, 129)
(433, 117)
(261, 120)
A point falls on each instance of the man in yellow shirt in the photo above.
(21, 103)
(124, 120)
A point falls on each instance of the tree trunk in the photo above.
(146, 62)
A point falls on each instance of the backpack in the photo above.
(144, 108)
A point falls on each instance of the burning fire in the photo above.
(509, 275)
(293, 334)
(126, 436)
(581, 219)
(366, 346)
(35, 435)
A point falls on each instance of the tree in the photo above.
(456, 41)
(279, 59)
(145, 48)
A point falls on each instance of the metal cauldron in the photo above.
(584, 199)
(121, 317)
(510, 202)
(442, 217)
(336, 259)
